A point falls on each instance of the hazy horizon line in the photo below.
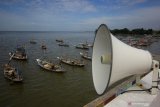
(45, 31)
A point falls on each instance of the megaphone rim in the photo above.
(111, 56)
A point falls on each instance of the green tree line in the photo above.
(139, 31)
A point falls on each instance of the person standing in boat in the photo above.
(52, 66)
(13, 75)
(72, 62)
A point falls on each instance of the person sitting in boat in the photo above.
(23, 54)
(13, 75)
(49, 66)
(53, 67)
(73, 62)
(57, 66)
(7, 66)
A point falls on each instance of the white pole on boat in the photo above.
(10, 58)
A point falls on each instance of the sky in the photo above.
(78, 15)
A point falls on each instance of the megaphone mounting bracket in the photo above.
(155, 66)
(155, 77)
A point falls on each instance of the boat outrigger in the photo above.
(72, 62)
(50, 66)
(19, 54)
(85, 55)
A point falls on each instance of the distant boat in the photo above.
(12, 73)
(90, 45)
(82, 46)
(59, 40)
(19, 54)
(50, 66)
(87, 44)
(32, 41)
(63, 44)
(143, 42)
(44, 46)
(85, 55)
(71, 62)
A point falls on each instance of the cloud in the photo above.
(140, 18)
(37, 13)
(95, 21)
(53, 5)
(146, 18)
(118, 5)
(10, 2)
(75, 15)
(77, 5)
(130, 2)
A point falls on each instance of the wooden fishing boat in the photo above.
(59, 40)
(63, 44)
(19, 54)
(32, 42)
(50, 66)
(85, 55)
(87, 44)
(44, 46)
(12, 73)
(82, 46)
(71, 62)
(90, 45)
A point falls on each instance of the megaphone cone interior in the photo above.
(113, 60)
(102, 47)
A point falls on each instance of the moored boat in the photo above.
(12, 73)
(63, 44)
(85, 55)
(72, 62)
(87, 44)
(44, 46)
(50, 66)
(59, 40)
(82, 46)
(32, 42)
(19, 54)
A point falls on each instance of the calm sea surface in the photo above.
(48, 89)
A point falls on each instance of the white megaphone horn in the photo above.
(113, 60)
